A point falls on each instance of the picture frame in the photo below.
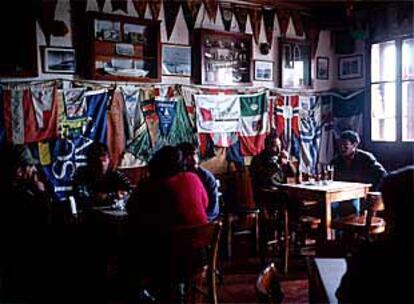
(176, 60)
(322, 68)
(263, 70)
(59, 60)
(350, 67)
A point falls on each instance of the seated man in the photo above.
(272, 166)
(98, 184)
(356, 165)
(191, 163)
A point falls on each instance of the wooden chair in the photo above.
(274, 222)
(268, 288)
(366, 225)
(193, 253)
(240, 208)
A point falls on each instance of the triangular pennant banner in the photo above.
(211, 7)
(226, 15)
(155, 7)
(190, 9)
(256, 19)
(140, 6)
(101, 4)
(311, 29)
(283, 17)
(241, 17)
(120, 5)
(269, 22)
(171, 9)
(297, 22)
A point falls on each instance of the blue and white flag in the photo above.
(62, 157)
(166, 111)
(310, 133)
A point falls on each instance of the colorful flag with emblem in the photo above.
(31, 114)
(254, 123)
(166, 111)
(133, 116)
(310, 133)
(61, 157)
(287, 120)
(72, 111)
(217, 113)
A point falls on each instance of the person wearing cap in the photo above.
(356, 165)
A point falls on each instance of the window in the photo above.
(295, 63)
(392, 91)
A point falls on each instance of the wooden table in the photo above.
(326, 194)
(324, 278)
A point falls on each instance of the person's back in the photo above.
(379, 271)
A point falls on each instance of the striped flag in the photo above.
(254, 123)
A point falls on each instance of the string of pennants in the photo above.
(303, 23)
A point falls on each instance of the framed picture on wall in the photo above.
(263, 70)
(350, 67)
(59, 60)
(322, 68)
(176, 60)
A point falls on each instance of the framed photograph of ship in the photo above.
(59, 60)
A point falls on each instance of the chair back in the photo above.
(240, 186)
(268, 286)
(374, 204)
(193, 249)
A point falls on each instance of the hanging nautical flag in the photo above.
(151, 119)
(347, 112)
(101, 4)
(61, 157)
(166, 111)
(269, 22)
(190, 10)
(287, 117)
(310, 133)
(140, 6)
(254, 123)
(224, 139)
(211, 8)
(256, 20)
(217, 113)
(298, 23)
(116, 133)
(226, 15)
(155, 6)
(30, 115)
(73, 111)
(133, 116)
(241, 16)
(326, 147)
(283, 18)
(120, 5)
(171, 9)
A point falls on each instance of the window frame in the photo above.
(398, 91)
